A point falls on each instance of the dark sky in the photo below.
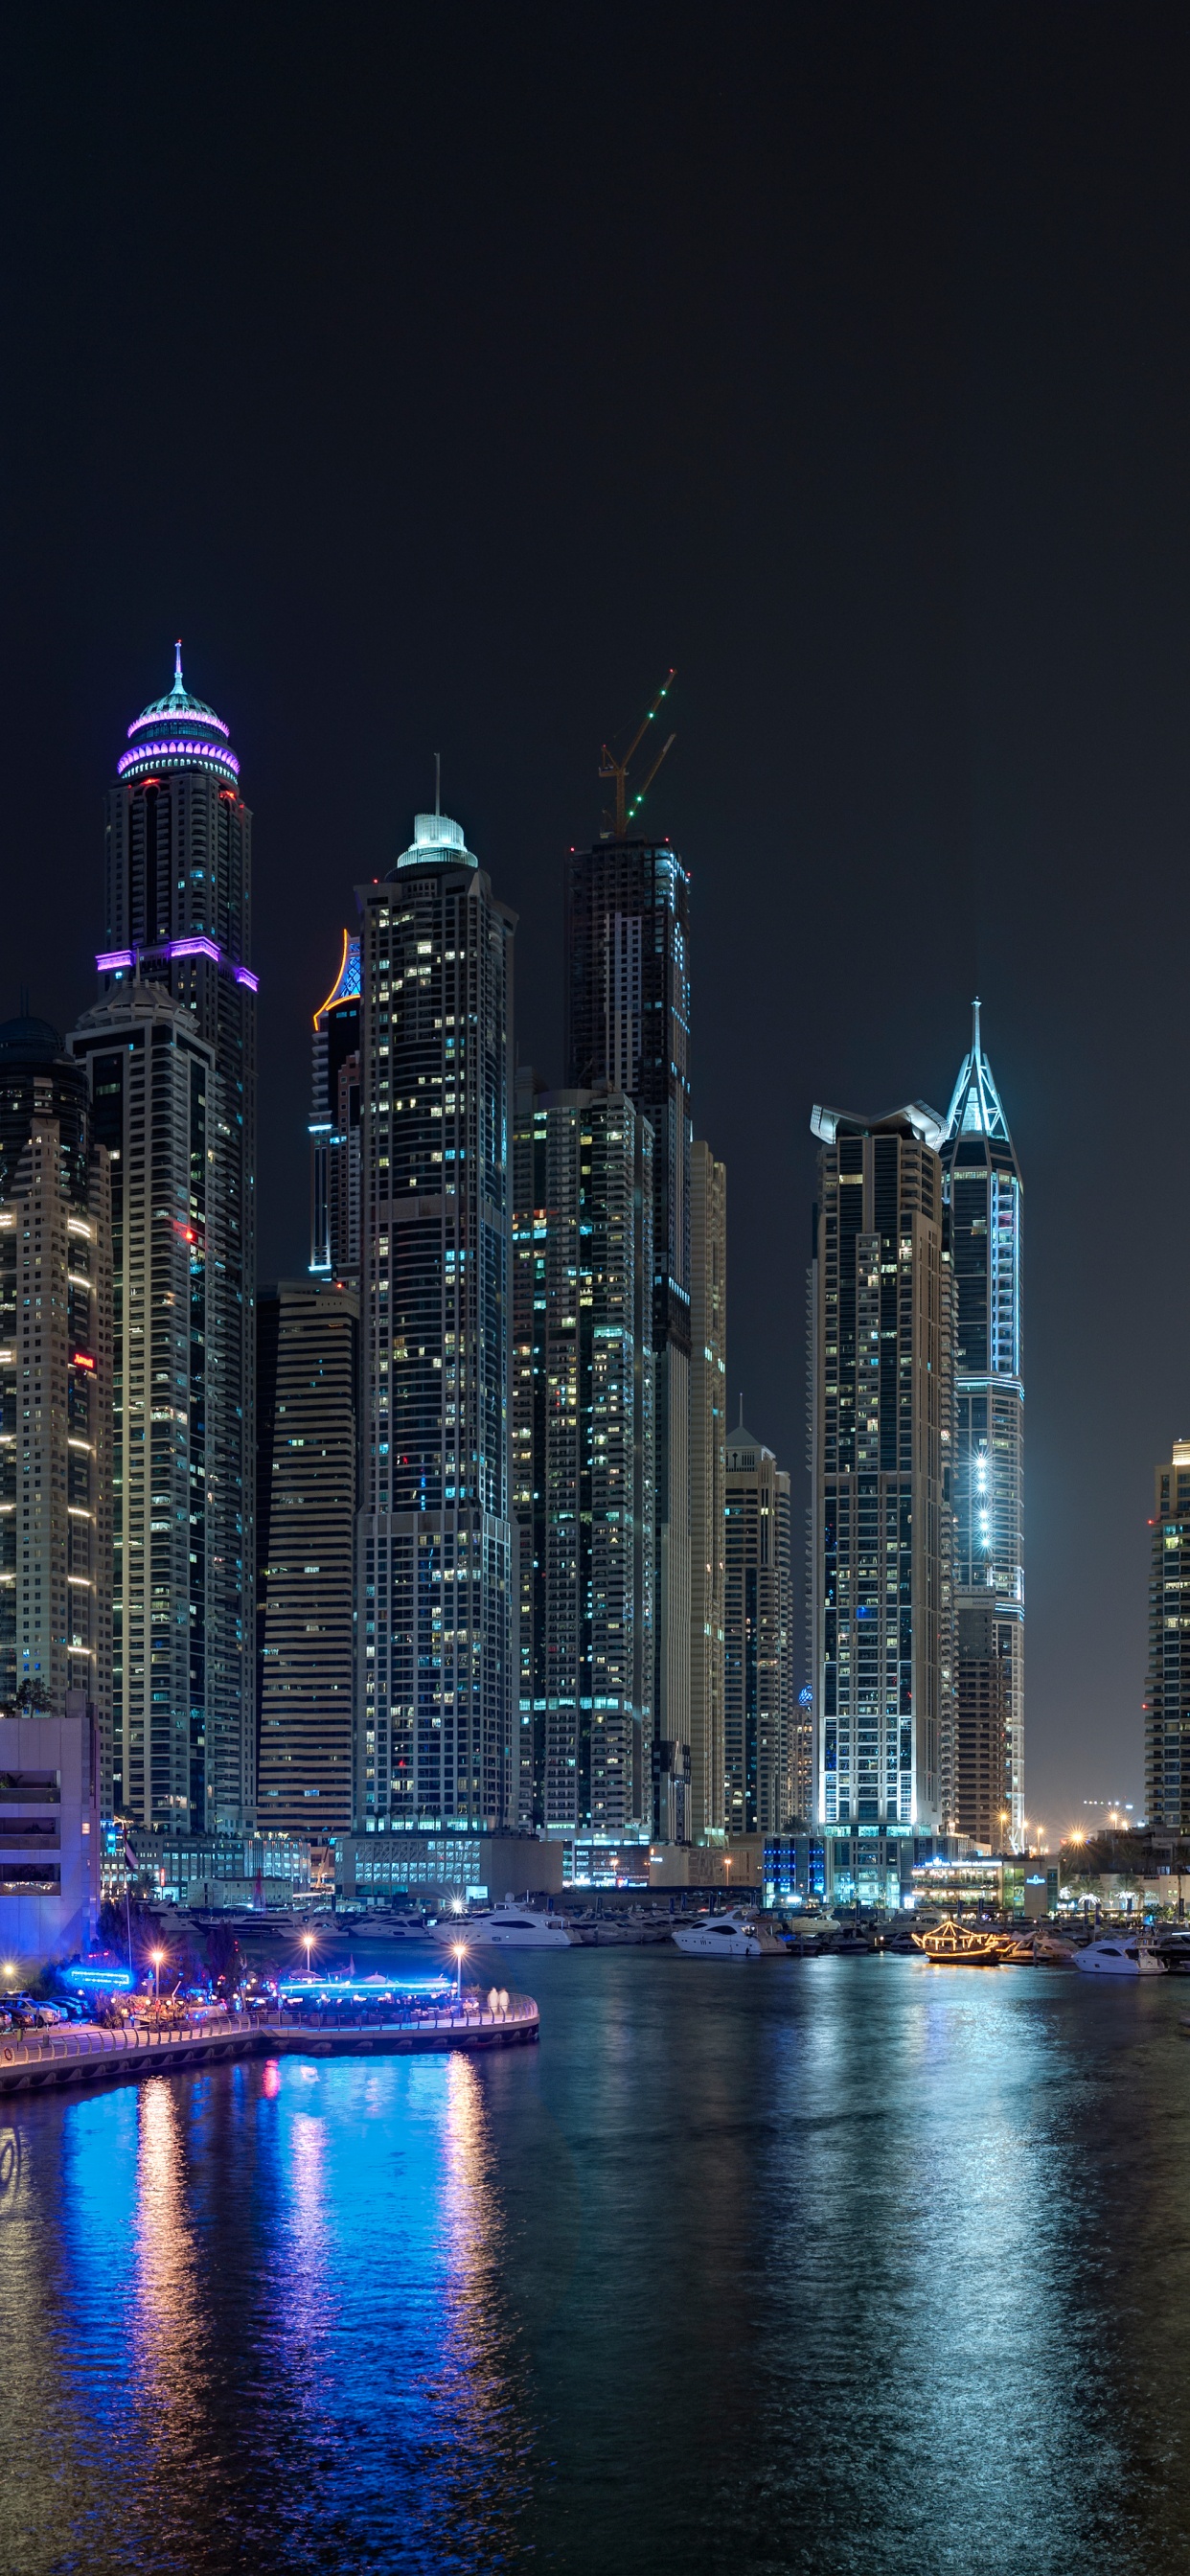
(441, 375)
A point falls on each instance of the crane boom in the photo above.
(617, 769)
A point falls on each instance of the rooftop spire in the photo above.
(179, 682)
(975, 1107)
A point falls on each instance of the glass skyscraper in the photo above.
(335, 1126)
(434, 1699)
(983, 1190)
(880, 1441)
(584, 1493)
(1167, 1692)
(55, 1394)
(179, 915)
(628, 1025)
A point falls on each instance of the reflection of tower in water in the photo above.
(167, 2324)
(479, 2396)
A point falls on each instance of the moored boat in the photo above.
(954, 1945)
(1119, 1956)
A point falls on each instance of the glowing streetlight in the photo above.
(157, 1956)
(460, 1955)
(10, 1970)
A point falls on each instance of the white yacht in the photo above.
(1119, 1956)
(727, 1936)
(506, 1927)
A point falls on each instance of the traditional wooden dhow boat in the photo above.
(950, 1945)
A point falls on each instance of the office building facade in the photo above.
(628, 1025)
(983, 1190)
(758, 1638)
(708, 1453)
(1167, 1690)
(55, 1397)
(307, 1338)
(880, 1440)
(179, 914)
(335, 1126)
(584, 1494)
(434, 1698)
(151, 1081)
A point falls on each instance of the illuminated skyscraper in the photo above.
(583, 1469)
(708, 1436)
(434, 1698)
(628, 1025)
(880, 1438)
(307, 1333)
(983, 1188)
(152, 1082)
(179, 914)
(335, 1126)
(758, 1700)
(55, 1393)
(1167, 1692)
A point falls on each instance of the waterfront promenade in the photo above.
(82, 2055)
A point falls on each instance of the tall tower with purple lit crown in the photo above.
(178, 916)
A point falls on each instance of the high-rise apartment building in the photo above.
(979, 1769)
(55, 1394)
(434, 1698)
(584, 1493)
(307, 1348)
(1167, 1690)
(880, 1439)
(708, 1452)
(758, 1635)
(335, 1126)
(983, 1190)
(628, 1025)
(152, 1086)
(179, 914)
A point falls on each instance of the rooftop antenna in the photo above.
(178, 680)
(975, 1028)
(740, 1424)
(437, 786)
(616, 823)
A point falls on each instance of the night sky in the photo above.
(444, 375)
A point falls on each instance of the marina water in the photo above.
(848, 2264)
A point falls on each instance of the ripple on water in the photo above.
(834, 2265)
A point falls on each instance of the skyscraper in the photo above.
(434, 1700)
(979, 1770)
(983, 1188)
(758, 1637)
(1167, 1690)
(628, 1025)
(880, 1437)
(335, 1126)
(179, 914)
(55, 1391)
(152, 1084)
(307, 1337)
(583, 1463)
(708, 1436)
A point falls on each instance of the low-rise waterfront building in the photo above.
(437, 1868)
(50, 1771)
(208, 1869)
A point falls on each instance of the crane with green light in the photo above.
(609, 767)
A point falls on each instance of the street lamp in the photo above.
(157, 1956)
(460, 1955)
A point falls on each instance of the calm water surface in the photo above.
(834, 2265)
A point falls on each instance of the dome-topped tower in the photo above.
(177, 731)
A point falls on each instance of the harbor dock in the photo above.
(83, 2055)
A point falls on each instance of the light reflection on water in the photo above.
(840, 2265)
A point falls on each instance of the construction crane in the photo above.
(624, 813)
